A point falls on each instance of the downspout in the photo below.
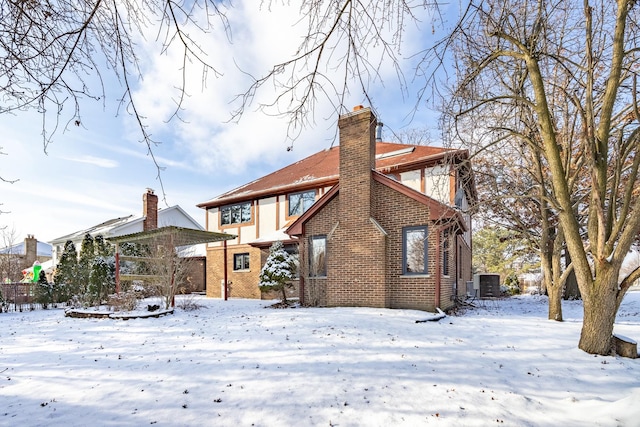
(438, 269)
(226, 281)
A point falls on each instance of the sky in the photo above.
(237, 363)
(100, 169)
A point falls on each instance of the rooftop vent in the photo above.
(395, 153)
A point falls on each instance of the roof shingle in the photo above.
(322, 169)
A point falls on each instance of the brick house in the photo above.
(383, 224)
(150, 218)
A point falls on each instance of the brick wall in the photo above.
(395, 211)
(244, 284)
(315, 288)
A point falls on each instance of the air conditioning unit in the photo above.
(486, 285)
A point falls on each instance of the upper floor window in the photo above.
(235, 214)
(300, 202)
(414, 253)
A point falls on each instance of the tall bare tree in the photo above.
(543, 56)
(11, 262)
(55, 55)
(514, 187)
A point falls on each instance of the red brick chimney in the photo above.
(149, 210)
(30, 249)
(357, 265)
(357, 159)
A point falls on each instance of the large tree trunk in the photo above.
(571, 289)
(600, 308)
(553, 290)
(555, 302)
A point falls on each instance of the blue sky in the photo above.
(99, 170)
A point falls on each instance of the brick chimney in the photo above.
(149, 210)
(357, 159)
(30, 250)
(357, 264)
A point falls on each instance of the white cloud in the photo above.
(93, 160)
(204, 154)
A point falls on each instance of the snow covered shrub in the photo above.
(125, 301)
(278, 271)
(101, 279)
(512, 284)
(186, 300)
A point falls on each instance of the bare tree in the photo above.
(57, 55)
(346, 44)
(169, 265)
(11, 262)
(514, 189)
(5, 180)
(543, 56)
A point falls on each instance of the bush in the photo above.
(186, 300)
(125, 301)
(512, 284)
(44, 291)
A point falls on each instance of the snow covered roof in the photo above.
(278, 235)
(43, 249)
(125, 225)
(322, 169)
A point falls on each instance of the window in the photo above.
(300, 202)
(445, 253)
(318, 256)
(235, 214)
(414, 254)
(240, 262)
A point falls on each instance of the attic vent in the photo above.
(395, 153)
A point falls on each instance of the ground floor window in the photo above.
(317, 256)
(240, 261)
(414, 253)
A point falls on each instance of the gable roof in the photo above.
(322, 169)
(42, 249)
(112, 227)
(437, 211)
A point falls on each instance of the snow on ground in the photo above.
(236, 363)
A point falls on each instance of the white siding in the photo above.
(267, 215)
(436, 180)
(412, 179)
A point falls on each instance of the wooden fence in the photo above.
(18, 297)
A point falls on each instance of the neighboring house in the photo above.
(151, 218)
(14, 259)
(389, 225)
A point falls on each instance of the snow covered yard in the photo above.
(236, 363)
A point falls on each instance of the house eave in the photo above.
(269, 192)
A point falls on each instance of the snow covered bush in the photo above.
(278, 271)
(512, 284)
(125, 301)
